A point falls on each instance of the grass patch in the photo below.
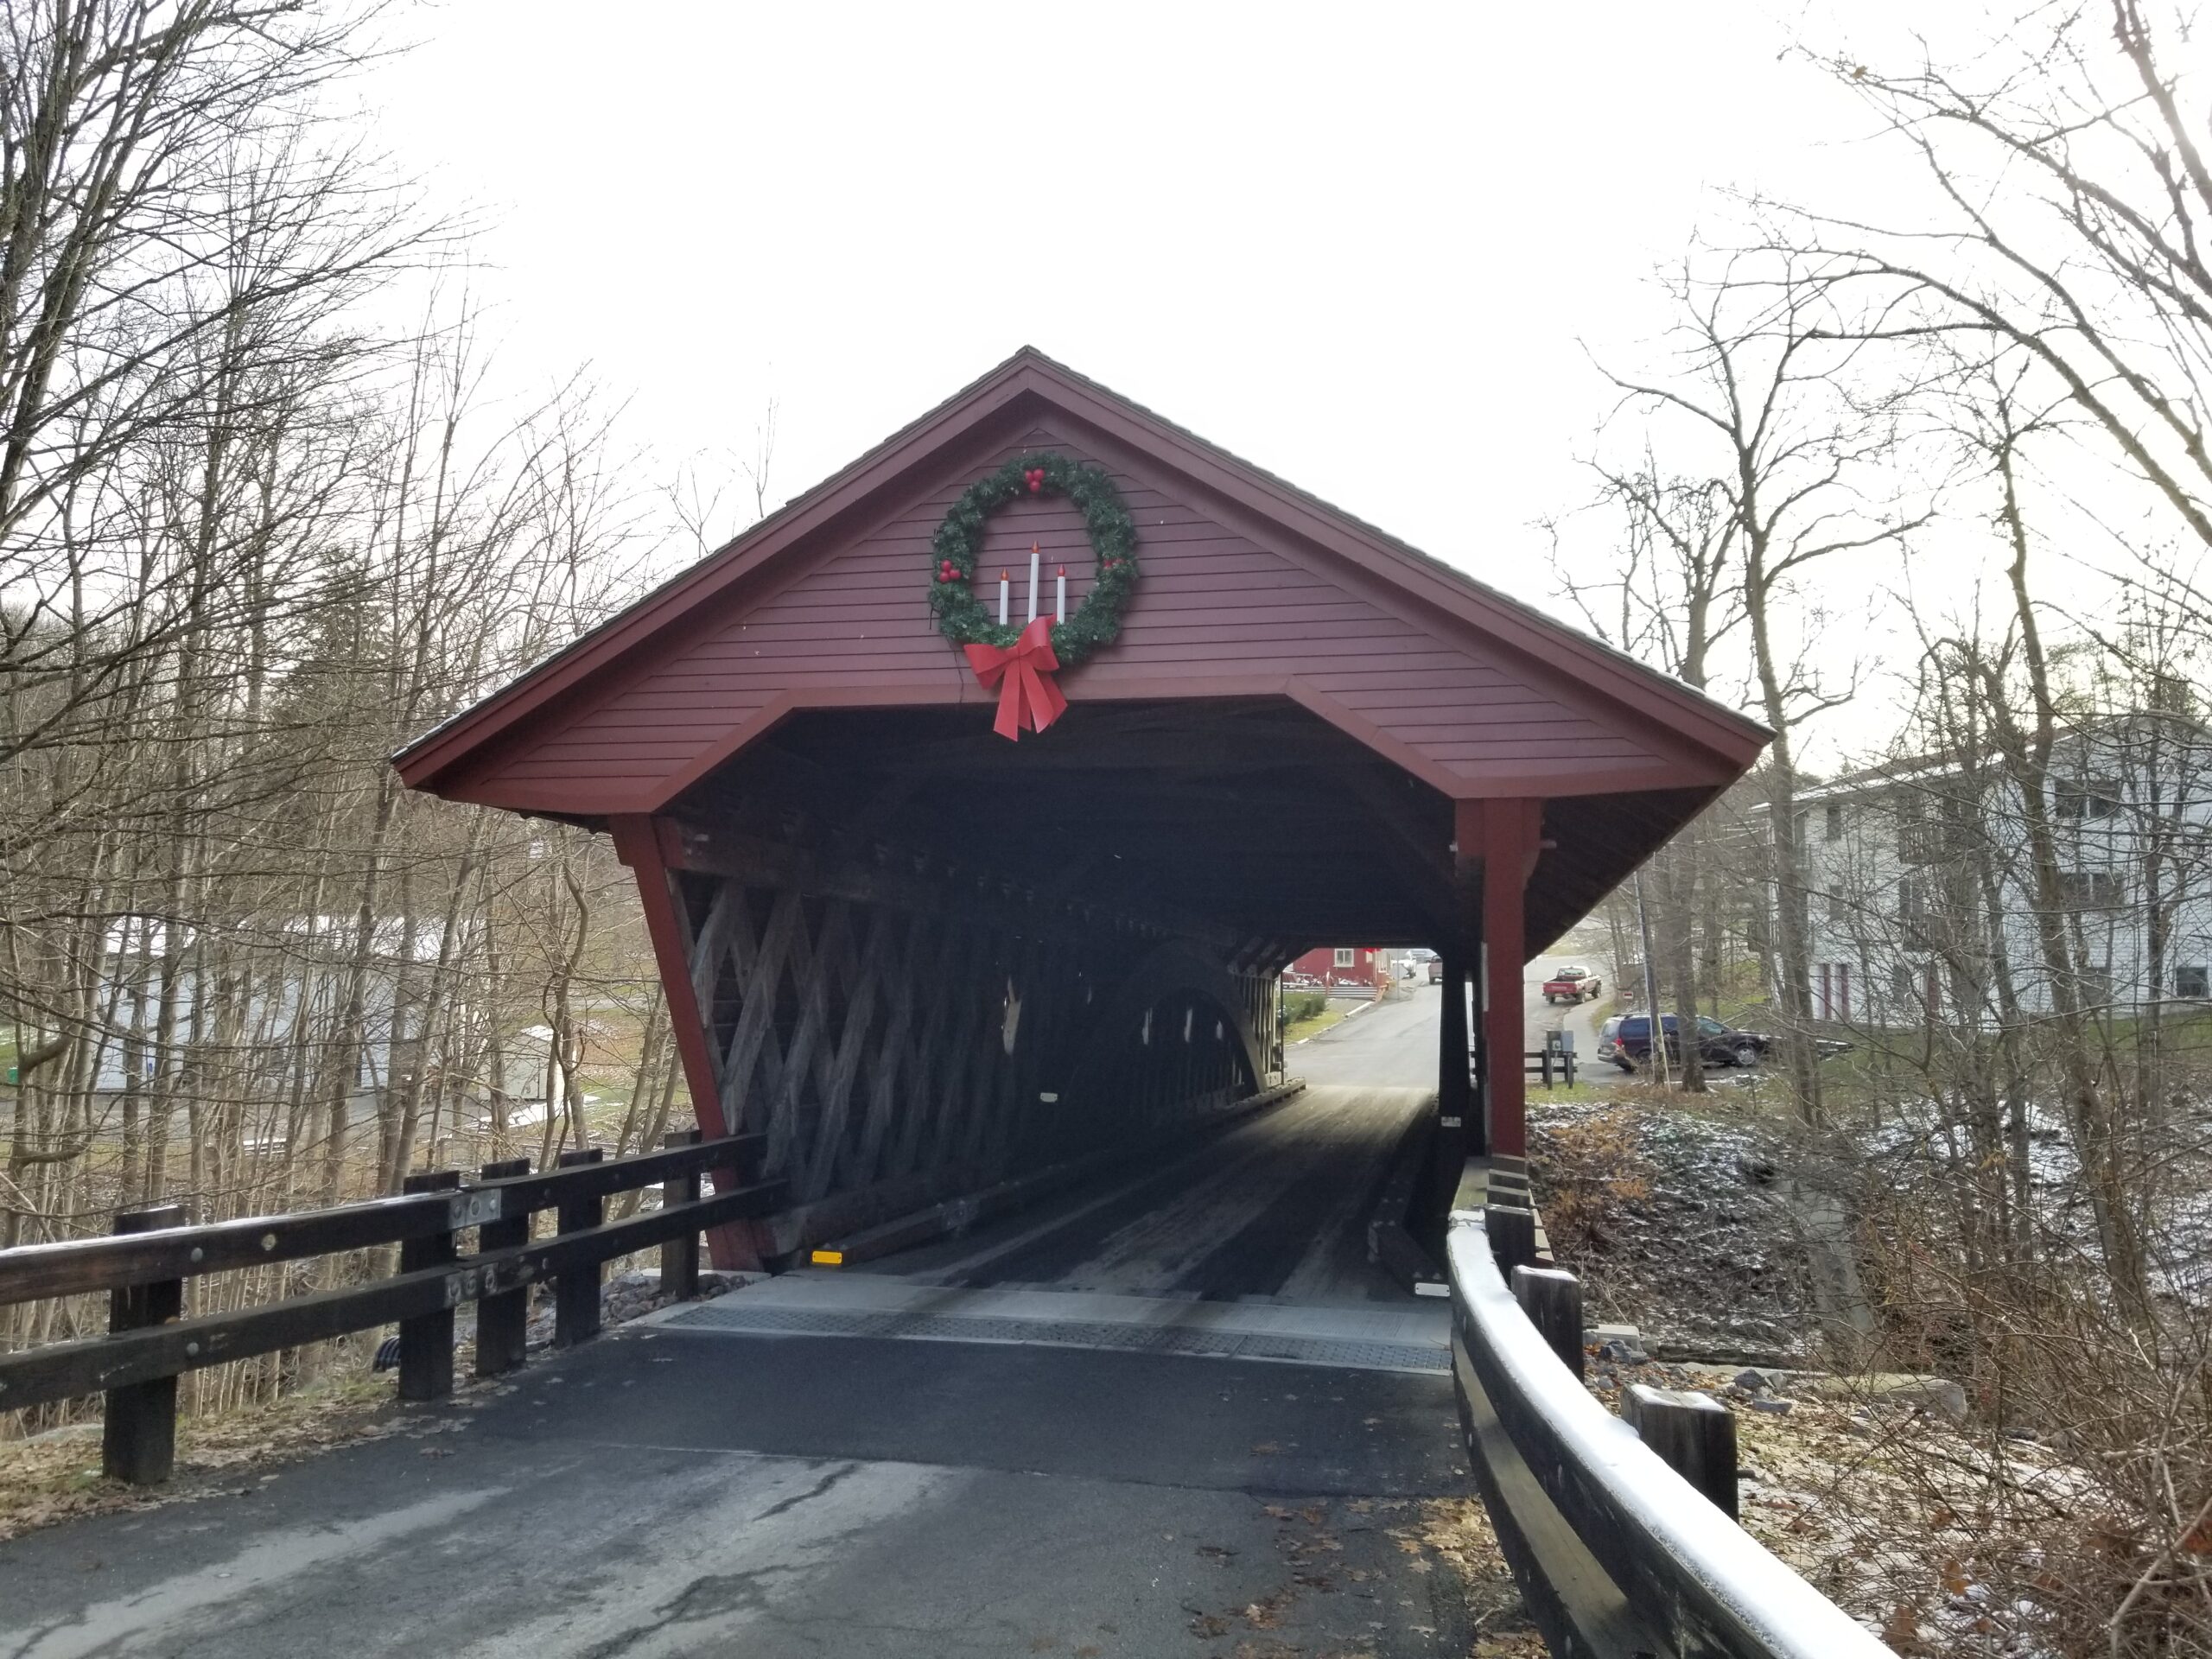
(1580, 1092)
(1299, 1030)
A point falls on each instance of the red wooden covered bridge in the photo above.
(921, 958)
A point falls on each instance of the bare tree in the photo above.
(2069, 166)
(1673, 598)
(1768, 386)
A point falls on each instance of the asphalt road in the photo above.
(1395, 1041)
(660, 1493)
(1580, 1019)
(684, 1490)
(1391, 1043)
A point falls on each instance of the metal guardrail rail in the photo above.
(1617, 1555)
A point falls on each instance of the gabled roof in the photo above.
(1640, 695)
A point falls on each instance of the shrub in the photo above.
(1592, 1172)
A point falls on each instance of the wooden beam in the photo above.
(636, 844)
(64, 1370)
(640, 844)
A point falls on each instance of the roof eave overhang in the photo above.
(1648, 699)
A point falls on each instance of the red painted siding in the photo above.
(1214, 607)
(1366, 966)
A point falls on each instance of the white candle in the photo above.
(1001, 599)
(1032, 581)
(1060, 595)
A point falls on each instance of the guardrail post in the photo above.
(503, 1321)
(1512, 1230)
(1552, 1298)
(426, 1340)
(138, 1427)
(1694, 1434)
(679, 1258)
(576, 1293)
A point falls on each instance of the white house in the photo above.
(1923, 901)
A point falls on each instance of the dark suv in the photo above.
(1625, 1039)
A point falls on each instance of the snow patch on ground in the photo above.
(1916, 1148)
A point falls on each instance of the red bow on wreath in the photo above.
(1028, 701)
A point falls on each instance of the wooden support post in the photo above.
(1694, 1434)
(503, 1321)
(1512, 1230)
(1506, 836)
(1552, 1298)
(638, 843)
(426, 1340)
(1456, 1114)
(679, 1258)
(576, 1293)
(138, 1436)
(1454, 1085)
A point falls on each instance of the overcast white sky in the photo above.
(1358, 245)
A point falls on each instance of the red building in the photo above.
(1343, 964)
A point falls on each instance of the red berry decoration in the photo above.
(1035, 478)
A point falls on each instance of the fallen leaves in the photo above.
(52, 1479)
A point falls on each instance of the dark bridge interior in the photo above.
(1249, 820)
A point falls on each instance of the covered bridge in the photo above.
(920, 956)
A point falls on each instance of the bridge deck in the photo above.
(1276, 1206)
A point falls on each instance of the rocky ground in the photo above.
(1674, 1222)
(56, 1476)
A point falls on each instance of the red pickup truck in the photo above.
(1572, 983)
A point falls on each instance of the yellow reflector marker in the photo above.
(828, 1258)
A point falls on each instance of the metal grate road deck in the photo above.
(733, 1313)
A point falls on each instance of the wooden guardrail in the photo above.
(151, 1341)
(1549, 1064)
(1617, 1553)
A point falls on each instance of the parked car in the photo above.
(1625, 1039)
(1571, 982)
(1436, 970)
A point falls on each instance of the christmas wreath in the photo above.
(962, 617)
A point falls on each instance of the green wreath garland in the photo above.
(963, 619)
